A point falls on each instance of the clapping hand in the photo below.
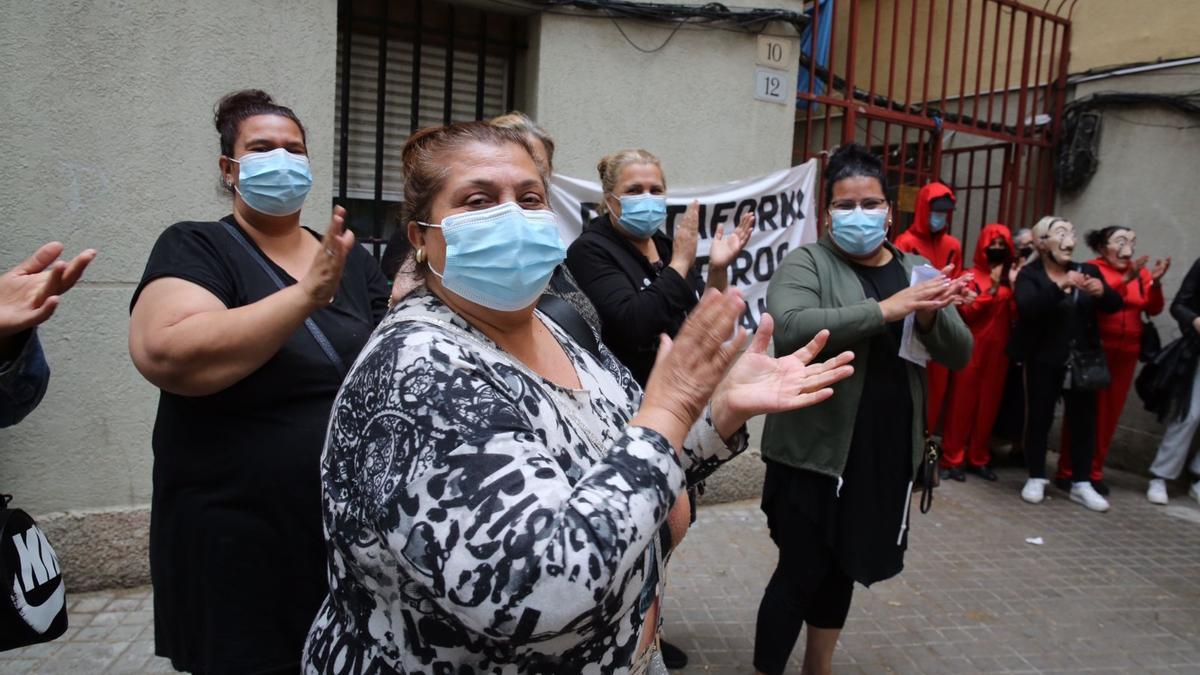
(30, 292)
(687, 233)
(1160, 268)
(1135, 267)
(758, 383)
(325, 273)
(725, 248)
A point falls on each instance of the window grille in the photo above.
(464, 61)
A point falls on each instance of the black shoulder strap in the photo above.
(570, 320)
(313, 329)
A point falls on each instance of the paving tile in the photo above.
(1118, 592)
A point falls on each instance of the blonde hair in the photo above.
(1042, 227)
(610, 167)
(519, 121)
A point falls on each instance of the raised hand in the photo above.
(725, 249)
(688, 368)
(758, 384)
(30, 292)
(1160, 268)
(1135, 267)
(325, 272)
(687, 232)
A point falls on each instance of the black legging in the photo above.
(1043, 386)
(808, 586)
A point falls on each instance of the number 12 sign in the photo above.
(773, 85)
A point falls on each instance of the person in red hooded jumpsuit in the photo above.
(929, 236)
(978, 389)
(1120, 334)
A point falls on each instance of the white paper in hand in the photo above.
(911, 347)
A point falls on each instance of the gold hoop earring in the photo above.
(420, 256)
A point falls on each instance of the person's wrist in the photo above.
(665, 420)
(309, 297)
(726, 418)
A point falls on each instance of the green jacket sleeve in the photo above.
(949, 341)
(794, 300)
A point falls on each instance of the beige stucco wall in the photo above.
(1115, 32)
(1104, 33)
(692, 103)
(1149, 160)
(108, 139)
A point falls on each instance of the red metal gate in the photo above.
(985, 123)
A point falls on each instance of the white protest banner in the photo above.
(782, 202)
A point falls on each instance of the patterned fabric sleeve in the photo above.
(705, 451)
(474, 507)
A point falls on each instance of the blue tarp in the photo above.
(824, 15)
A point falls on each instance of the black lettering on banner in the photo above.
(703, 211)
(747, 321)
(747, 205)
(741, 265)
(764, 263)
(793, 206)
(718, 217)
(768, 206)
(673, 210)
(781, 252)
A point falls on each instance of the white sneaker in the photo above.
(1084, 493)
(1035, 490)
(1157, 492)
(1194, 491)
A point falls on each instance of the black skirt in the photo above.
(864, 520)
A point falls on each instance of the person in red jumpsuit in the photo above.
(977, 389)
(1120, 334)
(929, 236)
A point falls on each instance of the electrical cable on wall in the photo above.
(746, 19)
(1079, 148)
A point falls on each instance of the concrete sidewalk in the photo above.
(1116, 593)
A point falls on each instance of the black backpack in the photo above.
(35, 609)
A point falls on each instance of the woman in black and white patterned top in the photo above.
(492, 490)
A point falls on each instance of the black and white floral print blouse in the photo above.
(480, 519)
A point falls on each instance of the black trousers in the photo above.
(808, 586)
(1043, 387)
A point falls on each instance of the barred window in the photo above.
(403, 65)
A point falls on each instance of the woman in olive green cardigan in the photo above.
(839, 474)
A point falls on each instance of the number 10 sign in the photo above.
(773, 85)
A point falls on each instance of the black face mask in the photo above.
(1026, 251)
(996, 256)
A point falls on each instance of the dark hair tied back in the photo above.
(236, 107)
(1097, 240)
(853, 161)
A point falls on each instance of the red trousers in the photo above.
(939, 379)
(974, 403)
(1110, 401)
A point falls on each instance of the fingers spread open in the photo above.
(49, 285)
(75, 270)
(41, 258)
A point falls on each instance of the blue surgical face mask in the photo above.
(642, 215)
(859, 233)
(501, 258)
(275, 182)
(937, 221)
